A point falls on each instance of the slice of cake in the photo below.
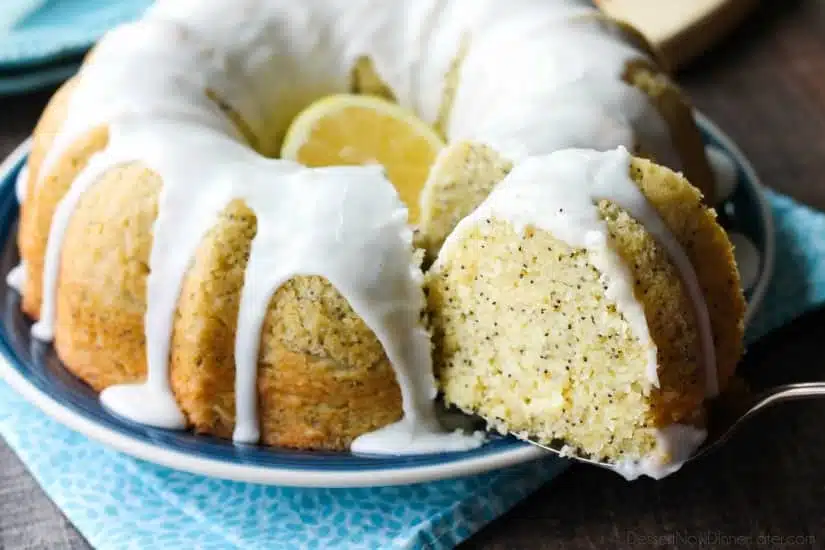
(591, 299)
(463, 175)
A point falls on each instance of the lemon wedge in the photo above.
(351, 130)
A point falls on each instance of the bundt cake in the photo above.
(197, 280)
(591, 299)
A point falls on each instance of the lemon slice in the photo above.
(358, 130)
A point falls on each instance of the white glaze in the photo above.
(561, 64)
(20, 183)
(148, 403)
(559, 193)
(407, 435)
(675, 445)
(147, 82)
(16, 277)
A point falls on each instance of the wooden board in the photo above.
(680, 29)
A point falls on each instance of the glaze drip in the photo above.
(16, 278)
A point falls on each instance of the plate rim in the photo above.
(335, 478)
(760, 289)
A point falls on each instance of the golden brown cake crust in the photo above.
(678, 114)
(366, 81)
(710, 251)
(463, 174)
(101, 296)
(44, 191)
(323, 376)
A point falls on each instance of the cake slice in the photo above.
(462, 176)
(591, 299)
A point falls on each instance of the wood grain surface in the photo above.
(765, 85)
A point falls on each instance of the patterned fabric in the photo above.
(120, 502)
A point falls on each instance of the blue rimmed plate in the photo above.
(35, 372)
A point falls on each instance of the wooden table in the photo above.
(766, 87)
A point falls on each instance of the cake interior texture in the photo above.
(526, 337)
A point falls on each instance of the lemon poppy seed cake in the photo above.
(200, 271)
(591, 299)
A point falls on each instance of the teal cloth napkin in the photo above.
(37, 31)
(119, 502)
(14, 12)
(42, 41)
